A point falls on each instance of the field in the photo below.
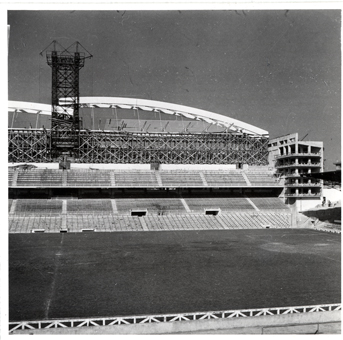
(138, 273)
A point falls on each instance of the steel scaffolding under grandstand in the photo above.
(122, 147)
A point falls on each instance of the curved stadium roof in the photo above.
(230, 124)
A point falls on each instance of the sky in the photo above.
(279, 70)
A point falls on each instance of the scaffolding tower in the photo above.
(65, 121)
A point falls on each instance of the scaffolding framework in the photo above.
(65, 121)
(142, 148)
(29, 146)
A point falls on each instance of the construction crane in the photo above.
(305, 136)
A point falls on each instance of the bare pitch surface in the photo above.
(139, 273)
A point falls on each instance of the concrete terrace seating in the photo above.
(25, 224)
(224, 178)
(75, 223)
(261, 178)
(184, 178)
(135, 178)
(239, 221)
(224, 203)
(10, 176)
(139, 178)
(112, 223)
(89, 178)
(269, 203)
(86, 206)
(255, 220)
(156, 206)
(153, 205)
(39, 177)
(38, 206)
(127, 223)
(182, 222)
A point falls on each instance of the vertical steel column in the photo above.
(65, 118)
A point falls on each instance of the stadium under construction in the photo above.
(134, 216)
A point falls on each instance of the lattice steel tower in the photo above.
(65, 121)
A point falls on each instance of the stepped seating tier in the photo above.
(25, 224)
(112, 223)
(181, 178)
(138, 178)
(75, 223)
(269, 203)
(182, 222)
(224, 203)
(154, 206)
(259, 178)
(38, 206)
(257, 220)
(94, 178)
(135, 179)
(39, 177)
(86, 206)
(227, 178)
(10, 176)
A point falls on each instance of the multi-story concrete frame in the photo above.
(295, 160)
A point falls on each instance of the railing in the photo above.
(302, 184)
(141, 319)
(308, 164)
(304, 195)
(328, 230)
(299, 154)
(296, 165)
(298, 175)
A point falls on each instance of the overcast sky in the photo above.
(278, 70)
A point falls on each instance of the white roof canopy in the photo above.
(27, 107)
(231, 124)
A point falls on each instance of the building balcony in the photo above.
(307, 195)
(299, 175)
(303, 185)
(292, 155)
(297, 165)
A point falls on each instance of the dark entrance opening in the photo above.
(138, 213)
(213, 212)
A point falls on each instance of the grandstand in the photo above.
(122, 196)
